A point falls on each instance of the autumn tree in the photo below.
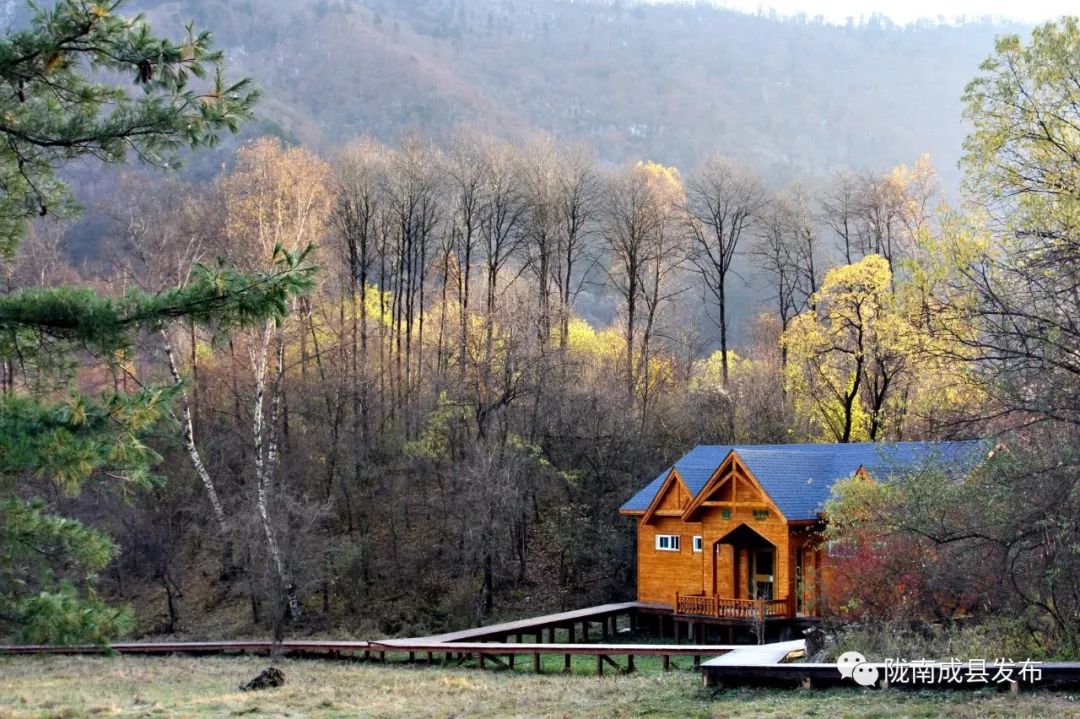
(848, 355)
(277, 201)
(1023, 165)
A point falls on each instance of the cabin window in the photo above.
(667, 542)
(725, 514)
(761, 514)
(697, 543)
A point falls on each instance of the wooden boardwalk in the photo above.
(450, 647)
(533, 625)
(254, 646)
(760, 654)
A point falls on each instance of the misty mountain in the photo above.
(668, 83)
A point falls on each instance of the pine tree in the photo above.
(56, 105)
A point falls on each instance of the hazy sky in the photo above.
(904, 11)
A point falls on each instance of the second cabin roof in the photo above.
(799, 477)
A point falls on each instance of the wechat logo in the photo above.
(853, 665)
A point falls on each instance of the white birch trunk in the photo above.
(266, 459)
(187, 429)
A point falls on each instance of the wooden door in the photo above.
(762, 573)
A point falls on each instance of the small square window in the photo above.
(725, 514)
(697, 543)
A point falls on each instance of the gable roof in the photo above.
(799, 477)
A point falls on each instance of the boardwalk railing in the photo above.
(753, 609)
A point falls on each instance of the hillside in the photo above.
(664, 82)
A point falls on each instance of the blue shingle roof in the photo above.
(799, 477)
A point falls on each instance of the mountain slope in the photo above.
(665, 82)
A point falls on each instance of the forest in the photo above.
(354, 388)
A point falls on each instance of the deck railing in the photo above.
(703, 606)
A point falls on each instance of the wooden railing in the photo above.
(703, 606)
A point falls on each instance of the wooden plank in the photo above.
(574, 649)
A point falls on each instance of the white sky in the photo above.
(905, 11)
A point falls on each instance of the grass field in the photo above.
(207, 687)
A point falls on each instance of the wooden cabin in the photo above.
(735, 532)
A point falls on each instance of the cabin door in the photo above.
(761, 573)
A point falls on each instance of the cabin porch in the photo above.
(742, 582)
(700, 605)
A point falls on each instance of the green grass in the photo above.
(207, 687)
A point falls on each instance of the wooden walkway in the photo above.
(602, 613)
(760, 654)
(451, 647)
(255, 646)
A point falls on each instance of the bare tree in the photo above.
(722, 200)
(643, 241)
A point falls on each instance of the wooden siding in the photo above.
(661, 574)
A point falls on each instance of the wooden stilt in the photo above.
(551, 635)
(566, 664)
(585, 631)
(599, 665)
(480, 661)
(629, 663)
(536, 663)
(510, 660)
(667, 662)
(570, 632)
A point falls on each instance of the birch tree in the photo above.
(277, 200)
